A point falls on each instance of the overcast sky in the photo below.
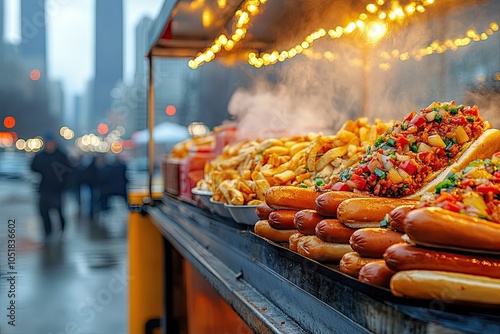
(70, 37)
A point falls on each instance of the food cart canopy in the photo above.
(183, 28)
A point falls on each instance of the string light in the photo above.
(374, 30)
(389, 57)
(275, 56)
(437, 47)
(227, 42)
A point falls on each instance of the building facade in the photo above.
(108, 57)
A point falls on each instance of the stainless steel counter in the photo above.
(275, 290)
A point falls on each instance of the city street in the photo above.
(76, 283)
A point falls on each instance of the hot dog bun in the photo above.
(331, 230)
(305, 221)
(445, 228)
(327, 203)
(407, 257)
(367, 212)
(372, 242)
(263, 210)
(293, 240)
(282, 219)
(483, 147)
(376, 273)
(291, 197)
(396, 218)
(351, 263)
(263, 229)
(312, 247)
(447, 287)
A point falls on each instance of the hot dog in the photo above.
(328, 202)
(472, 191)
(263, 210)
(376, 273)
(312, 247)
(437, 226)
(406, 257)
(305, 221)
(351, 263)
(331, 230)
(372, 242)
(417, 153)
(396, 217)
(282, 219)
(447, 287)
(293, 240)
(291, 197)
(263, 229)
(367, 212)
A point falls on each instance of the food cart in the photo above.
(215, 275)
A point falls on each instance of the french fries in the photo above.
(245, 170)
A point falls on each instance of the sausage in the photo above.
(437, 226)
(263, 210)
(282, 219)
(263, 229)
(367, 212)
(327, 203)
(447, 287)
(291, 197)
(407, 257)
(312, 247)
(397, 217)
(305, 221)
(376, 273)
(351, 263)
(331, 230)
(293, 240)
(372, 242)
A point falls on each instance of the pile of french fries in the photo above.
(182, 149)
(244, 171)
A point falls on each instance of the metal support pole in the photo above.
(151, 123)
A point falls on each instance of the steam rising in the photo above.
(320, 95)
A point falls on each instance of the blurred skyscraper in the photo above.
(141, 47)
(2, 22)
(33, 38)
(108, 57)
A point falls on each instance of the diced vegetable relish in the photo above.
(475, 191)
(424, 142)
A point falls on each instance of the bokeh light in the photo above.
(35, 75)
(170, 110)
(9, 122)
(102, 128)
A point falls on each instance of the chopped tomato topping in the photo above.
(486, 188)
(358, 181)
(340, 186)
(418, 120)
(409, 167)
(409, 116)
(402, 141)
(451, 206)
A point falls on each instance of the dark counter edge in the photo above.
(275, 291)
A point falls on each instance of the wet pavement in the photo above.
(73, 284)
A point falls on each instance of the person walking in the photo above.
(53, 166)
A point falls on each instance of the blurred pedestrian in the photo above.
(95, 177)
(75, 179)
(115, 182)
(53, 166)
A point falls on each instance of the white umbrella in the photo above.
(163, 133)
